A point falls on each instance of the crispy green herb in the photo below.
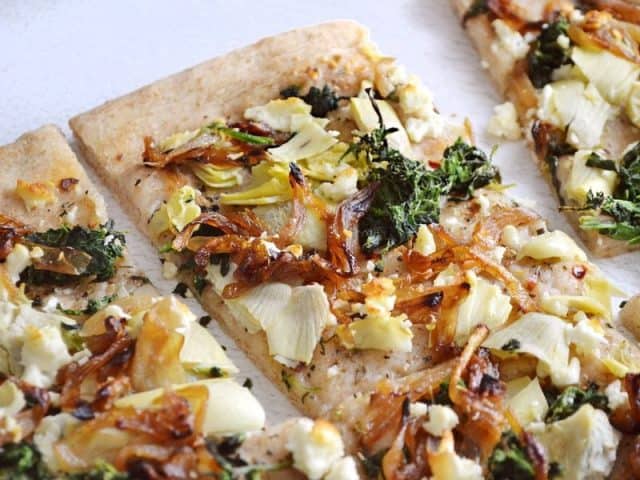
(478, 7)
(623, 206)
(465, 168)
(572, 398)
(22, 461)
(102, 471)
(322, 100)
(511, 346)
(509, 460)
(93, 305)
(104, 245)
(408, 194)
(242, 136)
(199, 282)
(547, 54)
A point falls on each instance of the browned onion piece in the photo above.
(11, 231)
(624, 10)
(298, 211)
(407, 457)
(28, 419)
(66, 260)
(342, 230)
(600, 30)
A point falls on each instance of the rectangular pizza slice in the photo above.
(102, 377)
(357, 245)
(571, 71)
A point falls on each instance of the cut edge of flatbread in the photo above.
(482, 36)
(53, 185)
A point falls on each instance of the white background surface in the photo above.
(60, 58)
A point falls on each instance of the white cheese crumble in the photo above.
(615, 395)
(504, 122)
(509, 40)
(169, 270)
(343, 469)
(417, 409)
(315, 446)
(441, 419)
(17, 260)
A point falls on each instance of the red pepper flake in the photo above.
(434, 164)
(579, 271)
(67, 184)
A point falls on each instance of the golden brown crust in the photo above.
(44, 157)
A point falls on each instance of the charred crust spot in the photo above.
(66, 184)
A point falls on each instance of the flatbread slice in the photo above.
(573, 86)
(359, 249)
(123, 385)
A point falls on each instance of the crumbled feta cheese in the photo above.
(11, 399)
(17, 260)
(576, 16)
(169, 270)
(315, 447)
(447, 465)
(441, 419)
(343, 469)
(343, 186)
(563, 41)
(425, 244)
(332, 371)
(504, 122)
(509, 40)
(585, 337)
(417, 409)
(615, 395)
(415, 99)
(43, 353)
(388, 75)
(420, 128)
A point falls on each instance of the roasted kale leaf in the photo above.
(409, 194)
(547, 54)
(104, 245)
(571, 399)
(509, 460)
(322, 100)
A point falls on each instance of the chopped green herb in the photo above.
(199, 282)
(181, 289)
(204, 321)
(248, 383)
(596, 161)
(572, 398)
(509, 460)
(93, 305)
(547, 54)
(102, 471)
(104, 245)
(408, 194)
(322, 100)
(22, 461)
(511, 346)
(242, 136)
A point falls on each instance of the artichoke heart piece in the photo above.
(230, 408)
(310, 139)
(312, 234)
(485, 304)
(326, 165)
(592, 113)
(559, 102)
(378, 332)
(180, 210)
(216, 177)
(541, 336)
(526, 400)
(280, 114)
(583, 178)
(613, 76)
(584, 444)
(269, 184)
(552, 245)
(367, 120)
(178, 139)
(296, 331)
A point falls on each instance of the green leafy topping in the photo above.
(478, 7)
(225, 453)
(623, 206)
(572, 398)
(547, 54)
(596, 161)
(208, 372)
(102, 471)
(93, 305)
(465, 168)
(240, 135)
(511, 346)
(322, 100)
(104, 245)
(22, 461)
(199, 282)
(408, 194)
(509, 460)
